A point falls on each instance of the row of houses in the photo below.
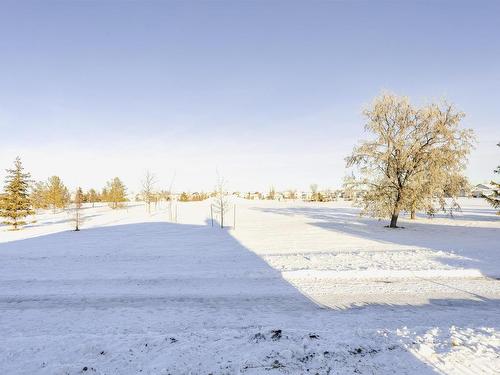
(477, 191)
(322, 196)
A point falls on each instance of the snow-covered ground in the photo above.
(295, 288)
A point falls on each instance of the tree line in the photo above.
(55, 195)
(22, 196)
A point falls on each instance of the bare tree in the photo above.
(171, 198)
(416, 158)
(221, 200)
(77, 216)
(148, 184)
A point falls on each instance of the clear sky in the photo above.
(268, 92)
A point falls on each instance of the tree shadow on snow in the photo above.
(160, 275)
(468, 214)
(468, 247)
(67, 219)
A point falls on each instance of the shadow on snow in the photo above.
(160, 273)
(477, 246)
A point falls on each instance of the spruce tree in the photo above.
(15, 204)
(494, 198)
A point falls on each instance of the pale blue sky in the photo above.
(268, 92)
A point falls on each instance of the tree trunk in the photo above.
(394, 218)
(395, 211)
(413, 215)
(222, 214)
(77, 217)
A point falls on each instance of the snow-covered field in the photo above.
(295, 288)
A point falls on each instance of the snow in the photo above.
(295, 288)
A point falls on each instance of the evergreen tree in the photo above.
(57, 194)
(116, 193)
(15, 204)
(494, 199)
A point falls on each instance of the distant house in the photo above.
(480, 190)
(305, 195)
(253, 196)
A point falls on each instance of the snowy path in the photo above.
(296, 288)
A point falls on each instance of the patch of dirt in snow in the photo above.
(249, 351)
